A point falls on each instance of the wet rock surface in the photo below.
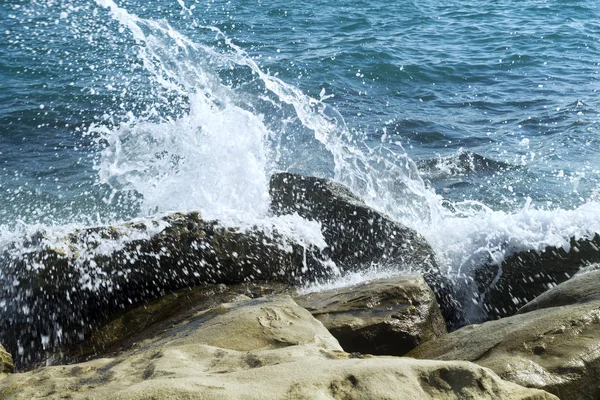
(552, 344)
(359, 236)
(526, 275)
(383, 317)
(58, 290)
(579, 289)
(268, 348)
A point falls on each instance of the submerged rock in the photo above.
(526, 275)
(55, 291)
(269, 349)
(461, 163)
(552, 344)
(358, 236)
(383, 317)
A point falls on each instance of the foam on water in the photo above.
(474, 233)
(216, 148)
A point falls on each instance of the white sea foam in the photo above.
(475, 233)
(214, 153)
(216, 158)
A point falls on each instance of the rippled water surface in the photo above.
(480, 119)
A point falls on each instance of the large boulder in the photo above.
(268, 348)
(523, 276)
(360, 237)
(357, 235)
(55, 290)
(384, 317)
(553, 347)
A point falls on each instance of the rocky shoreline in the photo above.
(186, 308)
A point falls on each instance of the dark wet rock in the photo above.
(55, 290)
(383, 317)
(524, 276)
(582, 288)
(552, 345)
(268, 348)
(358, 236)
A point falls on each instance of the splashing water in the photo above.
(211, 125)
(223, 148)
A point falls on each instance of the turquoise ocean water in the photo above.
(476, 123)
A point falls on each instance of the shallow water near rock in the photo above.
(475, 125)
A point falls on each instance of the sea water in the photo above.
(476, 124)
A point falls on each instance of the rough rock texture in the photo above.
(146, 321)
(6, 363)
(257, 349)
(556, 349)
(384, 317)
(579, 289)
(359, 236)
(524, 276)
(55, 290)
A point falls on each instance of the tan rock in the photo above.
(146, 321)
(555, 349)
(385, 317)
(257, 349)
(6, 363)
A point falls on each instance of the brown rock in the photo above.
(146, 321)
(384, 317)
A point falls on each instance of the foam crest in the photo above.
(476, 234)
(212, 160)
(212, 157)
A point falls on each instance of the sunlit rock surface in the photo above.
(384, 317)
(268, 348)
(555, 346)
(6, 363)
(150, 319)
